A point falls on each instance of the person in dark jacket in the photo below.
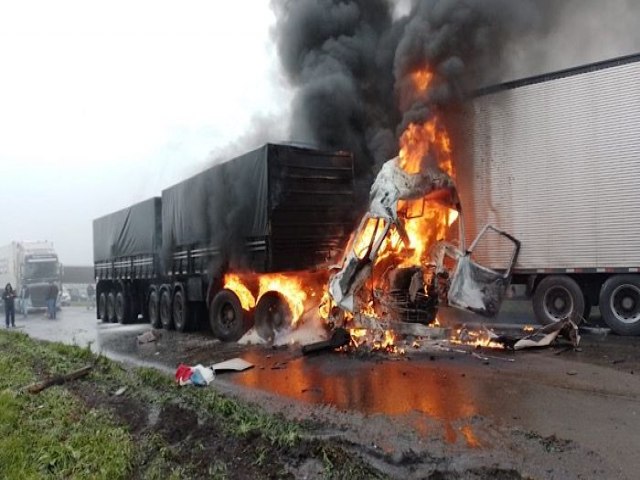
(9, 296)
(52, 297)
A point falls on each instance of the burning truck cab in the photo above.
(388, 272)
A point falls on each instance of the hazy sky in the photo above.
(105, 103)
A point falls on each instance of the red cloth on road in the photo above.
(183, 374)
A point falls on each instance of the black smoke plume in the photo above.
(350, 60)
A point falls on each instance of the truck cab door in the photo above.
(475, 287)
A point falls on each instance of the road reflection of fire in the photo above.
(390, 388)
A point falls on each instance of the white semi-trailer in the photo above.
(555, 161)
(34, 264)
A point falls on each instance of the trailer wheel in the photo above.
(181, 312)
(620, 304)
(153, 309)
(558, 297)
(227, 318)
(165, 310)
(111, 307)
(123, 308)
(272, 315)
(102, 307)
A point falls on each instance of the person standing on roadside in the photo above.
(9, 296)
(52, 296)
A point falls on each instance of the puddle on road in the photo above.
(387, 387)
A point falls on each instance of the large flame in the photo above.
(421, 145)
(291, 288)
(236, 285)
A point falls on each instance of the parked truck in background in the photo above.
(555, 161)
(34, 264)
(280, 208)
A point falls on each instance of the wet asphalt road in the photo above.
(591, 398)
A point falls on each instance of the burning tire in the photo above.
(102, 307)
(166, 317)
(620, 304)
(181, 312)
(111, 307)
(153, 309)
(227, 318)
(556, 298)
(272, 315)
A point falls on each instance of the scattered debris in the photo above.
(339, 338)
(120, 391)
(572, 372)
(234, 365)
(148, 337)
(58, 380)
(197, 375)
(544, 336)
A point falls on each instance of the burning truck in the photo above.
(243, 243)
(529, 158)
(553, 160)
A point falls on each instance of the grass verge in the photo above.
(154, 430)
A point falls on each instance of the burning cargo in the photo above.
(230, 240)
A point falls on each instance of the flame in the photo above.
(384, 341)
(422, 80)
(453, 216)
(235, 284)
(476, 338)
(421, 145)
(291, 288)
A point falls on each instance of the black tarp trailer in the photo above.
(126, 248)
(280, 208)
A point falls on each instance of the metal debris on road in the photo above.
(233, 365)
(339, 338)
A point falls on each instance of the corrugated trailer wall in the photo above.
(556, 163)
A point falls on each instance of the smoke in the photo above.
(350, 61)
(575, 32)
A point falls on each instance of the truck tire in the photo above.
(181, 312)
(111, 307)
(620, 304)
(153, 309)
(123, 308)
(556, 298)
(227, 318)
(272, 315)
(102, 307)
(166, 318)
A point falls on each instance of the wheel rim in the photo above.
(153, 310)
(165, 311)
(110, 307)
(177, 311)
(103, 307)
(227, 316)
(625, 303)
(272, 316)
(119, 309)
(558, 303)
